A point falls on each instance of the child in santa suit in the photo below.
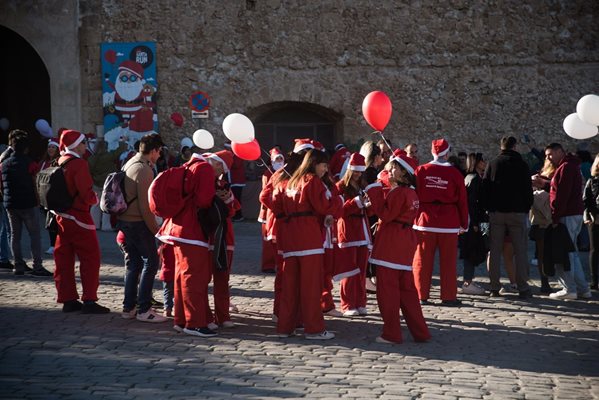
(354, 237)
(442, 215)
(77, 232)
(301, 203)
(269, 250)
(394, 246)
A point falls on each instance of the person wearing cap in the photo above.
(185, 152)
(354, 238)
(443, 214)
(50, 157)
(77, 232)
(139, 226)
(268, 264)
(301, 203)
(337, 160)
(193, 269)
(394, 246)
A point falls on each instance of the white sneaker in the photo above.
(50, 250)
(233, 308)
(472, 288)
(285, 335)
(563, 295)
(228, 324)
(178, 328)
(380, 339)
(129, 314)
(351, 313)
(151, 316)
(586, 295)
(362, 310)
(370, 286)
(510, 288)
(212, 326)
(324, 335)
(334, 313)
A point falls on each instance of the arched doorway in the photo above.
(24, 88)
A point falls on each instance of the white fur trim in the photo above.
(358, 202)
(441, 154)
(238, 185)
(262, 220)
(53, 143)
(358, 243)
(122, 68)
(443, 164)
(170, 239)
(390, 264)
(220, 160)
(300, 253)
(358, 168)
(373, 185)
(404, 164)
(69, 152)
(80, 139)
(198, 156)
(435, 230)
(347, 274)
(301, 147)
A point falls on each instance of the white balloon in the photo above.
(587, 109)
(4, 124)
(577, 128)
(238, 128)
(203, 139)
(186, 142)
(42, 125)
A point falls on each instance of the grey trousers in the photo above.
(30, 218)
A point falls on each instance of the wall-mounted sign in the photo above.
(199, 102)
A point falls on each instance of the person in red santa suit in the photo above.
(337, 160)
(301, 204)
(354, 237)
(269, 250)
(394, 246)
(76, 231)
(193, 268)
(443, 214)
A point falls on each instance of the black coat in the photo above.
(506, 185)
(557, 246)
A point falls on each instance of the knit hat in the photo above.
(225, 157)
(408, 163)
(439, 147)
(53, 142)
(132, 67)
(357, 162)
(339, 146)
(275, 153)
(70, 139)
(302, 144)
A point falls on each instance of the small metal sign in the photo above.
(199, 102)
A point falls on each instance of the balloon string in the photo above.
(264, 164)
(384, 139)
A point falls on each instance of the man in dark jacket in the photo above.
(20, 201)
(507, 196)
(565, 199)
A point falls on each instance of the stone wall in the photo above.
(463, 70)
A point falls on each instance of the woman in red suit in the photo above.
(394, 247)
(300, 205)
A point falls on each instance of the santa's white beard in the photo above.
(128, 91)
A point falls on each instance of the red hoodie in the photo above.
(565, 193)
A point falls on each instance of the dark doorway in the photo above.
(24, 89)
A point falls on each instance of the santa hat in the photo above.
(357, 162)
(318, 145)
(439, 148)
(133, 67)
(70, 139)
(225, 157)
(339, 146)
(408, 163)
(275, 153)
(53, 142)
(302, 144)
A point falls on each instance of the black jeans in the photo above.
(594, 253)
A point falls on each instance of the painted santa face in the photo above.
(128, 85)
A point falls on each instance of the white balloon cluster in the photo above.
(237, 127)
(583, 124)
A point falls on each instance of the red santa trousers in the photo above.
(428, 242)
(73, 240)
(353, 289)
(193, 271)
(269, 251)
(395, 290)
(302, 287)
(221, 292)
(326, 299)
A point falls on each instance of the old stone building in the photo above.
(466, 70)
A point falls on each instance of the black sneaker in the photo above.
(525, 295)
(94, 308)
(18, 271)
(202, 332)
(6, 265)
(494, 293)
(156, 303)
(41, 272)
(425, 303)
(451, 303)
(71, 306)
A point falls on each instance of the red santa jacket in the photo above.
(262, 216)
(352, 226)
(395, 240)
(237, 173)
(80, 186)
(185, 226)
(267, 201)
(337, 161)
(443, 199)
(300, 210)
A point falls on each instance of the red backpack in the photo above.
(167, 195)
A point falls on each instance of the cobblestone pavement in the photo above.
(489, 348)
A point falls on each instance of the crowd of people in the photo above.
(373, 220)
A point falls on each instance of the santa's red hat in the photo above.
(318, 145)
(357, 162)
(439, 147)
(275, 153)
(132, 67)
(302, 144)
(70, 139)
(225, 157)
(408, 163)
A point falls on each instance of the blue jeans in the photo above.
(141, 261)
(169, 294)
(574, 280)
(4, 235)
(30, 218)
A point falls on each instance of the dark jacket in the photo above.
(590, 196)
(18, 187)
(565, 194)
(476, 211)
(557, 246)
(506, 185)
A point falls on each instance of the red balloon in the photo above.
(247, 151)
(177, 119)
(377, 109)
(110, 56)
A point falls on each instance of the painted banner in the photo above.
(128, 91)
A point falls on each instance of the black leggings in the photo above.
(594, 253)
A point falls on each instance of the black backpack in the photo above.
(52, 188)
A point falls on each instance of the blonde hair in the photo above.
(595, 166)
(548, 169)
